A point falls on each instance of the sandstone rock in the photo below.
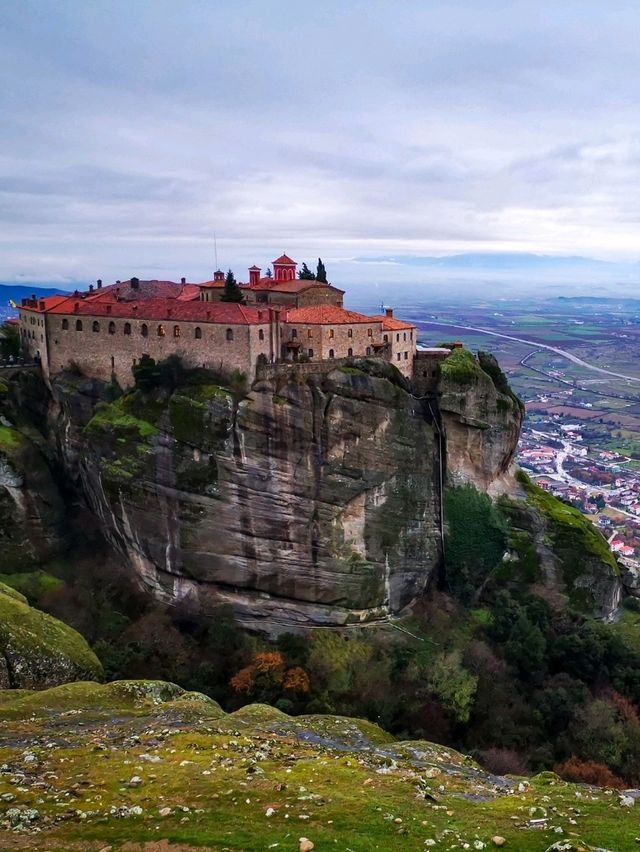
(305, 845)
(498, 840)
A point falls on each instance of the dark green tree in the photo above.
(232, 293)
(305, 274)
(269, 273)
(321, 274)
(9, 340)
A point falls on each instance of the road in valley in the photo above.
(561, 352)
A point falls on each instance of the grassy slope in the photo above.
(343, 783)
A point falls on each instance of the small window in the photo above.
(331, 353)
(397, 338)
(368, 350)
(127, 328)
(198, 333)
(176, 331)
(113, 363)
(369, 332)
(405, 336)
(229, 334)
(112, 327)
(331, 335)
(65, 324)
(309, 333)
(397, 356)
(294, 333)
(144, 329)
(349, 352)
(261, 334)
(78, 325)
(161, 331)
(350, 333)
(406, 356)
(386, 338)
(410, 335)
(95, 326)
(311, 353)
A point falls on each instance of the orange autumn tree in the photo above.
(267, 678)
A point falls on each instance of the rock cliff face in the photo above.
(312, 499)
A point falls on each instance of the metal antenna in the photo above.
(215, 249)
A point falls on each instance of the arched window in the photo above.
(144, 329)
(369, 332)
(350, 333)
(331, 334)
(78, 325)
(127, 328)
(161, 331)
(294, 333)
(311, 353)
(405, 336)
(112, 327)
(385, 337)
(229, 334)
(65, 324)
(95, 326)
(368, 350)
(176, 331)
(261, 334)
(198, 333)
(397, 338)
(331, 353)
(349, 352)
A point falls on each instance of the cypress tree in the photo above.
(305, 274)
(321, 274)
(232, 293)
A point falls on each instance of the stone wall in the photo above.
(321, 342)
(101, 353)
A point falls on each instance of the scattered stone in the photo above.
(627, 801)
(136, 781)
(165, 812)
(305, 845)
(498, 840)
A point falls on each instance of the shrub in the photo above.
(588, 772)
(504, 761)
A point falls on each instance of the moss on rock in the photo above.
(40, 651)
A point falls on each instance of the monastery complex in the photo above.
(104, 331)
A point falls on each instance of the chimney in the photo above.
(135, 283)
(218, 275)
(41, 306)
(99, 283)
(91, 288)
(254, 274)
(183, 280)
(388, 312)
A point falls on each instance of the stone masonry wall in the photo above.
(99, 353)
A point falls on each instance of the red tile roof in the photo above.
(297, 285)
(285, 260)
(165, 310)
(393, 324)
(326, 315)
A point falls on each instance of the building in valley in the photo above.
(104, 331)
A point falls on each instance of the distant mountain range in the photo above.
(493, 261)
(17, 292)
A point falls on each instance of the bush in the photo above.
(504, 761)
(588, 772)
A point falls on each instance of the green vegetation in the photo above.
(43, 649)
(9, 340)
(475, 542)
(149, 763)
(34, 585)
(11, 441)
(574, 538)
(231, 293)
(461, 368)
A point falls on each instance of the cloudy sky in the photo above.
(132, 131)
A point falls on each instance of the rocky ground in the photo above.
(145, 766)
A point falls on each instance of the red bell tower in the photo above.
(284, 269)
(254, 274)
